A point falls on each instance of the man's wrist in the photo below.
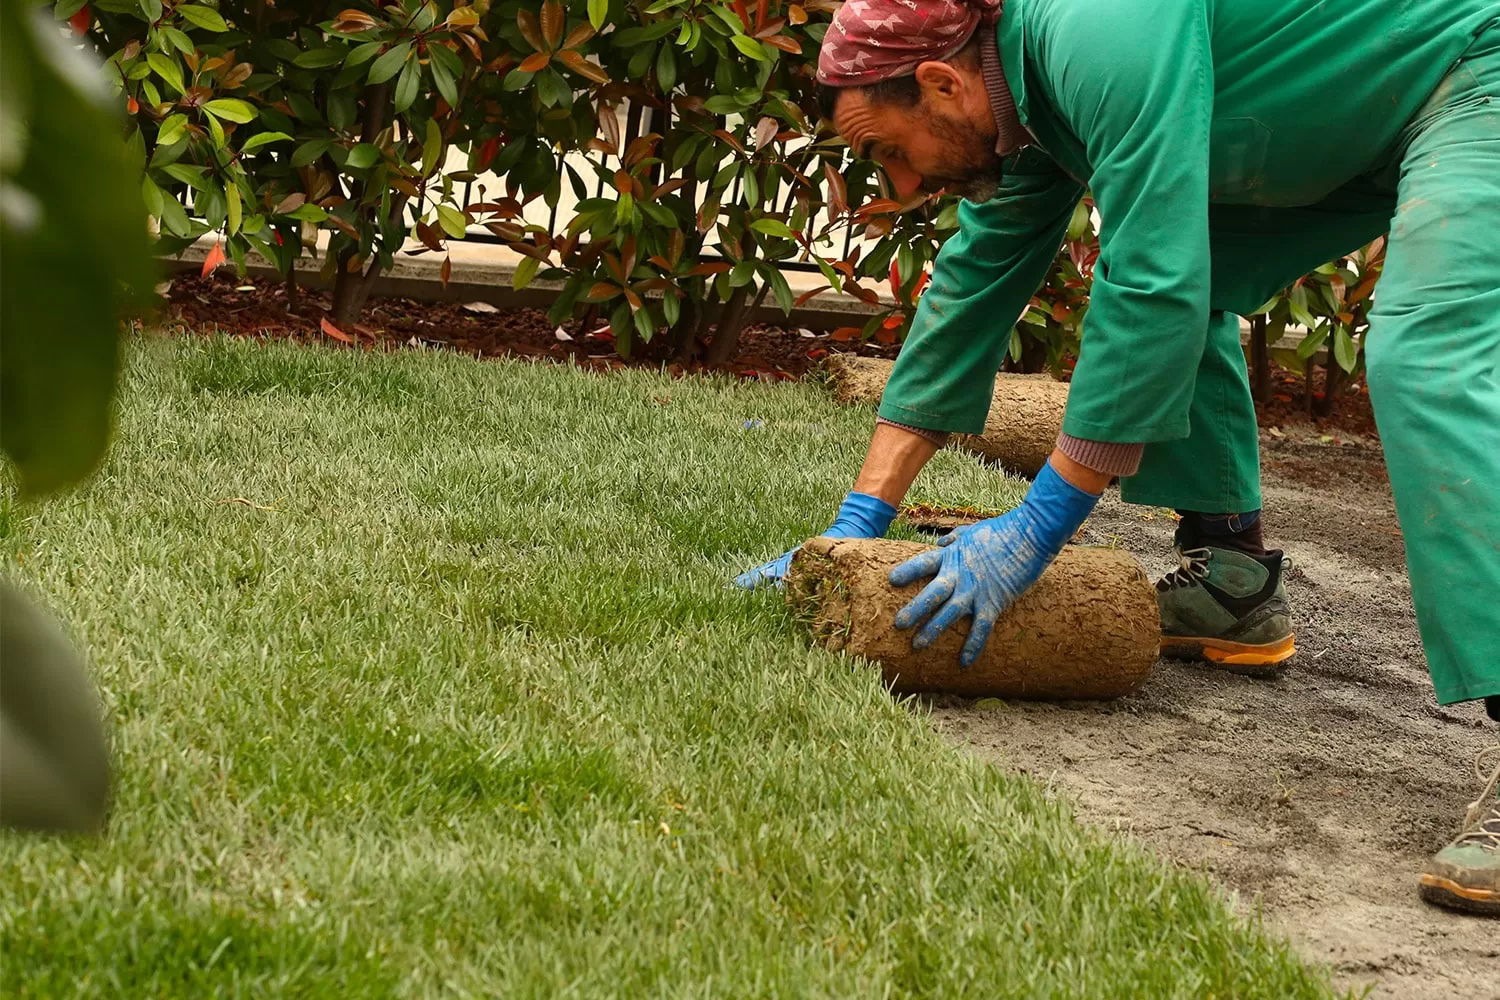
(1074, 473)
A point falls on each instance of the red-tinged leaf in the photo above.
(667, 187)
(354, 16)
(582, 33)
(876, 206)
(429, 237)
(627, 255)
(1060, 312)
(844, 333)
(713, 267)
(290, 203)
(1362, 290)
(343, 227)
(762, 8)
(446, 271)
(807, 296)
(675, 244)
(578, 64)
(405, 186)
(215, 257)
(784, 43)
(641, 148)
(531, 250)
(506, 230)
(796, 14)
(838, 193)
(624, 183)
(651, 285)
(472, 44)
(1345, 318)
(609, 124)
(81, 20)
(132, 105)
(844, 267)
(876, 228)
(603, 290)
(725, 136)
(765, 131)
(887, 332)
(659, 261)
(770, 28)
(865, 295)
(598, 146)
(535, 62)
(334, 331)
(487, 152)
(526, 21)
(921, 284)
(742, 11)
(633, 299)
(895, 278)
(612, 264)
(554, 18)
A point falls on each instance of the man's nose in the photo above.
(905, 180)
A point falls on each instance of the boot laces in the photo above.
(1192, 567)
(1482, 823)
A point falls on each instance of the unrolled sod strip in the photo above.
(1025, 416)
(1088, 629)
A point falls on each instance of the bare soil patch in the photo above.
(1316, 797)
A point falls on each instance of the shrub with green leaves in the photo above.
(679, 133)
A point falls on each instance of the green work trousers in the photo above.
(1433, 358)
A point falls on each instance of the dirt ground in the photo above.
(1315, 797)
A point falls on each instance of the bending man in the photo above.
(1231, 146)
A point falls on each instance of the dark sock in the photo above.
(1232, 531)
(1492, 706)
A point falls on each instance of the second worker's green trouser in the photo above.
(1433, 359)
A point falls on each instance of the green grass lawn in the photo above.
(461, 703)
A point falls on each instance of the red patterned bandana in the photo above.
(874, 40)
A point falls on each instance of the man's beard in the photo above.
(971, 170)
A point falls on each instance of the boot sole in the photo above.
(1251, 660)
(1450, 895)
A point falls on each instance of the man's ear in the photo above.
(942, 83)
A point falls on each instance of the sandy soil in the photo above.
(1317, 796)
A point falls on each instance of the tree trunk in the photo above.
(1260, 359)
(352, 287)
(1333, 383)
(1033, 354)
(732, 322)
(683, 336)
(293, 291)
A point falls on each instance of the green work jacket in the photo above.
(1231, 146)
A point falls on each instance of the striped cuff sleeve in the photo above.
(938, 438)
(1102, 456)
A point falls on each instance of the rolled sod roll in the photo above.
(1026, 412)
(1088, 629)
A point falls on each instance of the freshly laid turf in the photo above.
(424, 678)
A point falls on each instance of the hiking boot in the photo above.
(1226, 607)
(1465, 875)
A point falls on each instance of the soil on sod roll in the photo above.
(1088, 629)
(1026, 412)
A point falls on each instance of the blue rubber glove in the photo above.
(982, 568)
(860, 516)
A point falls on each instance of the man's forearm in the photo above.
(895, 458)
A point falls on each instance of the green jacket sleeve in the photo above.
(1138, 92)
(982, 279)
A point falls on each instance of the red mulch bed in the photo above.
(257, 308)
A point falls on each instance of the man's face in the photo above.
(923, 147)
